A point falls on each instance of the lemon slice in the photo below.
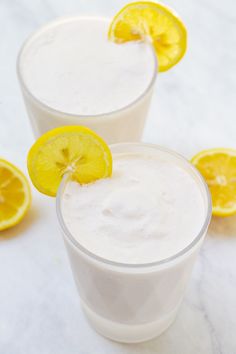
(218, 167)
(15, 195)
(146, 19)
(72, 149)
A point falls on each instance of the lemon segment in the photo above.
(15, 195)
(72, 149)
(218, 167)
(157, 23)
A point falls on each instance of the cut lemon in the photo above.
(157, 23)
(72, 149)
(15, 195)
(218, 167)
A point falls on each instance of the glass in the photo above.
(124, 124)
(133, 302)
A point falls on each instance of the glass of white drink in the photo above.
(132, 239)
(71, 74)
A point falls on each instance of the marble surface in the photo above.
(192, 109)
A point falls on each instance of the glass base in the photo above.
(128, 333)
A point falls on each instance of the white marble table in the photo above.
(192, 109)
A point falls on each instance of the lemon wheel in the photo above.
(158, 23)
(72, 149)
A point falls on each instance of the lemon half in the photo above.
(15, 195)
(218, 167)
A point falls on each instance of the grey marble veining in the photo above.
(192, 109)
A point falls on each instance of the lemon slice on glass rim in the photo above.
(218, 167)
(156, 22)
(15, 195)
(76, 150)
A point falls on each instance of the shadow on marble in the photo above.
(19, 230)
(156, 345)
(188, 334)
(223, 226)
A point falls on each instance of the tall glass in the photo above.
(134, 302)
(125, 124)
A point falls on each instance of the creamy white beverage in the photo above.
(70, 70)
(132, 239)
(74, 68)
(149, 210)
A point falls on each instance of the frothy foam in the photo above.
(149, 210)
(71, 66)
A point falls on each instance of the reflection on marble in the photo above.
(192, 109)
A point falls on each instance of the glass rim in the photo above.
(57, 112)
(139, 266)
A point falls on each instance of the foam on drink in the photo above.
(150, 209)
(71, 66)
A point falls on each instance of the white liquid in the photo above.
(71, 66)
(149, 210)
